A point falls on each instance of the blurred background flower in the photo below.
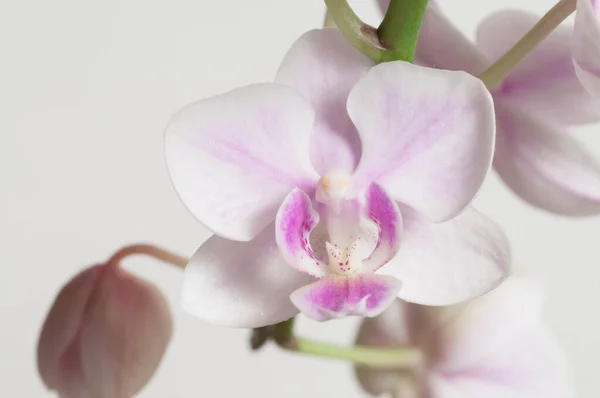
(495, 346)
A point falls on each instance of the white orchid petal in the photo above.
(427, 135)
(241, 284)
(323, 66)
(234, 157)
(449, 262)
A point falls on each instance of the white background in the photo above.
(86, 88)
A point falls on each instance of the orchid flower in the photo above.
(535, 155)
(586, 44)
(493, 347)
(327, 174)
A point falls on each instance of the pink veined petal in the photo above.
(384, 212)
(295, 221)
(234, 157)
(441, 45)
(530, 365)
(427, 135)
(545, 84)
(336, 296)
(545, 167)
(450, 262)
(586, 44)
(241, 284)
(323, 66)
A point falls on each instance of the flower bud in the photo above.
(104, 335)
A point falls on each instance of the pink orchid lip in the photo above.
(346, 285)
(335, 296)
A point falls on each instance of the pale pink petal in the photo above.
(451, 262)
(531, 364)
(547, 168)
(441, 45)
(545, 84)
(391, 329)
(241, 284)
(296, 219)
(586, 44)
(324, 66)
(427, 135)
(234, 157)
(337, 296)
(384, 212)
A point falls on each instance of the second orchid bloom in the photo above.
(343, 185)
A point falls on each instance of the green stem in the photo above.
(365, 356)
(399, 30)
(361, 35)
(380, 358)
(509, 61)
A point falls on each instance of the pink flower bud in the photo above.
(104, 336)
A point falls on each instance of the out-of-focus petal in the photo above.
(450, 262)
(586, 44)
(234, 157)
(529, 365)
(547, 168)
(337, 297)
(241, 284)
(544, 84)
(427, 135)
(384, 212)
(296, 219)
(441, 45)
(467, 335)
(324, 66)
